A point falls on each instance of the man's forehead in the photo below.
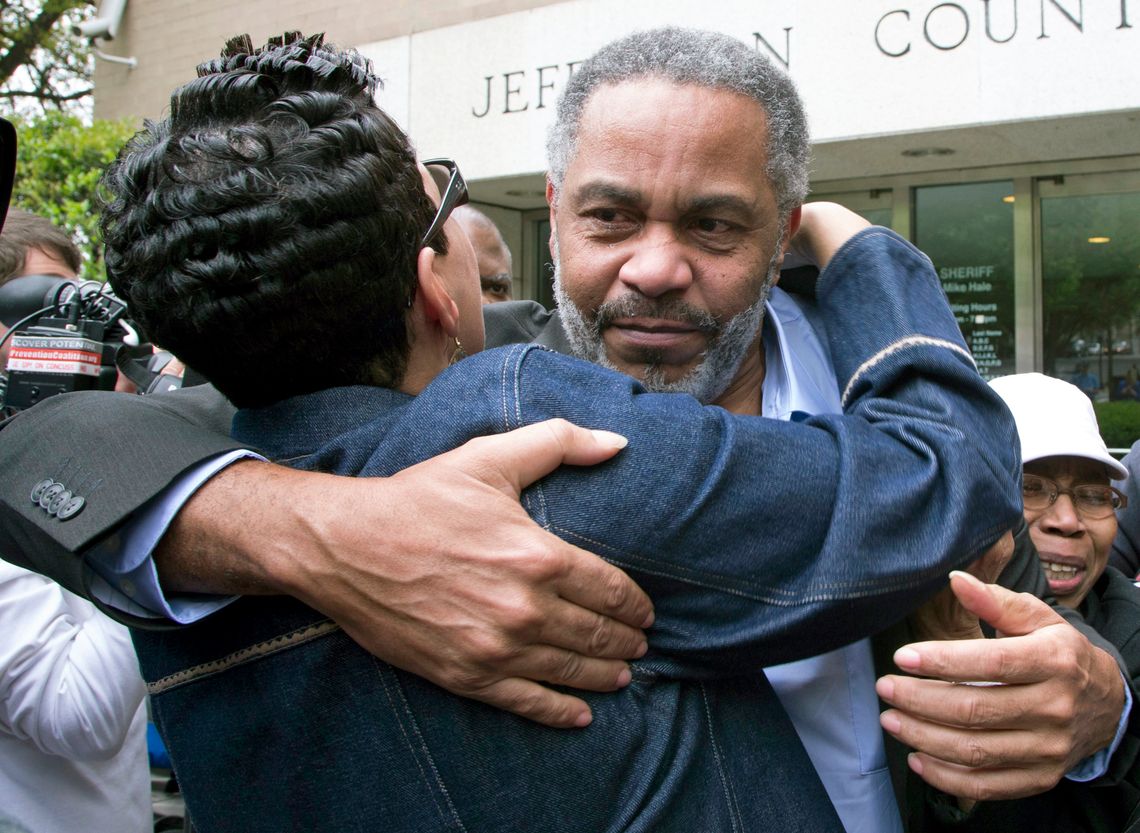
(643, 139)
(43, 261)
(690, 96)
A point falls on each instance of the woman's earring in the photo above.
(459, 353)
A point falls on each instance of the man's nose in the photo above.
(658, 262)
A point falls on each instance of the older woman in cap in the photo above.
(1069, 500)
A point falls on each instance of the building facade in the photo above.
(1002, 136)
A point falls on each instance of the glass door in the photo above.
(1090, 299)
(968, 231)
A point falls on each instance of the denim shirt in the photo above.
(760, 542)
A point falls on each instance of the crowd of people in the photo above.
(672, 556)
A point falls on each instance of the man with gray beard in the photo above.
(677, 170)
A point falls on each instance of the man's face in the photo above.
(1073, 548)
(493, 259)
(666, 232)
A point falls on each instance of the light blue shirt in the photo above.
(831, 698)
(123, 572)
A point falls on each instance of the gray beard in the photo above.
(728, 346)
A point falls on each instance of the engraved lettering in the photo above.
(487, 101)
(989, 30)
(544, 86)
(784, 59)
(878, 39)
(946, 47)
(1078, 21)
(509, 91)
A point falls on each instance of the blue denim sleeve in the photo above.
(763, 541)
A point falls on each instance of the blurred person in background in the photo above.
(491, 253)
(72, 718)
(32, 245)
(1126, 546)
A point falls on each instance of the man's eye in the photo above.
(609, 216)
(1030, 488)
(711, 225)
(609, 222)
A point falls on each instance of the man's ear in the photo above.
(431, 293)
(793, 225)
(551, 200)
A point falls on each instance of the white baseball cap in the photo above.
(1054, 419)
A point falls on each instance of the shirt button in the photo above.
(49, 494)
(58, 502)
(72, 508)
(40, 488)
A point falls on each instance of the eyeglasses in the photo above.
(452, 193)
(1091, 500)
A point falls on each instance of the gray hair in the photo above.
(707, 59)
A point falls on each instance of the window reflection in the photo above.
(967, 230)
(1091, 271)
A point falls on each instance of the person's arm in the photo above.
(69, 681)
(114, 452)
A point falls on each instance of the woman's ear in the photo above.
(431, 292)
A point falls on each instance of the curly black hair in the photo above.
(266, 233)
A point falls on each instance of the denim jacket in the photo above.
(759, 541)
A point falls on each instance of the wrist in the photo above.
(231, 536)
(825, 227)
(1113, 696)
(320, 523)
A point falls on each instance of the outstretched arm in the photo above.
(762, 541)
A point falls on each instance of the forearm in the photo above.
(228, 539)
(770, 540)
(257, 528)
